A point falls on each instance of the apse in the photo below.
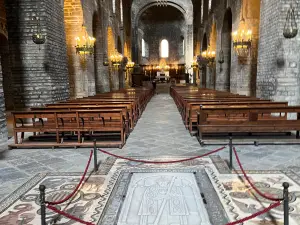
(161, 35)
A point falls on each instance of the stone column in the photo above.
(40, 75)
(3, 125)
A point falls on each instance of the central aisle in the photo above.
(160, 131)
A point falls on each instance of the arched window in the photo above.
(164, 49)
(143, 48)
(209, 4)
(121, 11)
(114, 6)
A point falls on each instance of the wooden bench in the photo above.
(191, 118)
(59, 122)
(127, 110)
(254, 119)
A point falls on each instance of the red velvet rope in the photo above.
(255, 214)
(160, 162)
(68, 215)
(251, 184)
(76, 189)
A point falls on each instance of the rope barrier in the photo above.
(251, 184)
(255, 214)
(161, 162)
(68, 215)
(76, 189)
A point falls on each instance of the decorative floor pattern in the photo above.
(110, 184)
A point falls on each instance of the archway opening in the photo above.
(226, 48)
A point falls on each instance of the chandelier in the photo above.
(84, 44)
(130, 65)
(194, 64)
(166, 68)
(116, 58)
(290, 27)
(209, 55)
(161, 3)
(242, 38)
(38, 38)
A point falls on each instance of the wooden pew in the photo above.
(268, 119)
(59, 122)
(191, 118)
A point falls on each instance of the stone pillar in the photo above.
(40, 76)
(189, 54)
(278, 75)
(3, 125)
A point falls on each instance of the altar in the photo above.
(163, 77)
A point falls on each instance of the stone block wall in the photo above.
(3, 127)
(278, 75)
(172, 32)
(40, 75)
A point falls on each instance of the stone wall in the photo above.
(3, 127)
(278, 58)
(40, 75)
(172, 32)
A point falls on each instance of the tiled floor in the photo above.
(159, 132)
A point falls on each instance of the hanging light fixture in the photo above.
(194, 64)
(209, 55)
(242, 38)
(161, 3)
(130, 64)
(38, 38)
(290, 27)
(221, 57)
(84, 44)
(116, 58)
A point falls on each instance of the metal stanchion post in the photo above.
(42, 189)
(286, 202)
(95, 156)
(230, 153)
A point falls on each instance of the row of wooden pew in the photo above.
(206, 111)
(109, 118)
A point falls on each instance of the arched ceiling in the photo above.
(157, 14)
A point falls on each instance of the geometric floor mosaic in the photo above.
(227, 197)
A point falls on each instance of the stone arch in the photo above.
(73, 17)
(184, 6)
(226, 44)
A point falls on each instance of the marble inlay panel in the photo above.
(163, 199)
(240, 200)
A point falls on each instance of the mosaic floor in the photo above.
(102, 197)
(159, 133)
